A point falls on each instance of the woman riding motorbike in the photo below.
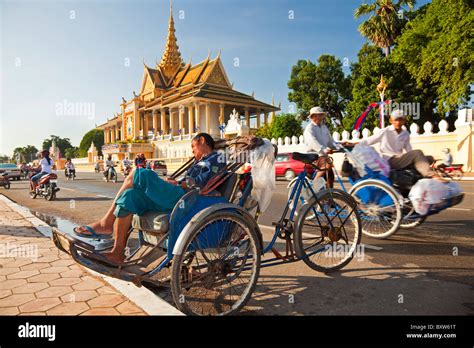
(46, 165)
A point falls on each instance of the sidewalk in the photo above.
(37, 279)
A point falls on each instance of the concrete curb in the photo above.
(142, 297)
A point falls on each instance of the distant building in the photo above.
(176, 101)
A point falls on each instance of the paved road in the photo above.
(427, 270)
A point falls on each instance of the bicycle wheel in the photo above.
(218, 271)
(410, 217)
(328, 240)
(379, 207)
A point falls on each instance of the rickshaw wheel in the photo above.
(408, 221)
(378, 220)
(328, 231)
(218, 271)
(7, 185)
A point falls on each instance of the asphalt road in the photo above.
(426, 270)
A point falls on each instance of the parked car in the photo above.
(287, 167)
(14, 173)
(159, 167)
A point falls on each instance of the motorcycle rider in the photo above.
(109, 165)
(70, 169)
(127, 165)
(140, 161)
(396, 148)
(46, 164)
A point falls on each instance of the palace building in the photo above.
(176, 100)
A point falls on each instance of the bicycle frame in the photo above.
(301, 181)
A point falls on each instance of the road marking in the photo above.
(67, 189)
(105, 196)
(461, 209)
(373, 247)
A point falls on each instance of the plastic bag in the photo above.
(427, 192)
(364, 155)
(262, 160)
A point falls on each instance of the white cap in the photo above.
(316, 110)
(396, 114)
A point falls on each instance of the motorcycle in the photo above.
(47, 187)
(111, 175)
(97, 168)
(126, 171)
(24, 173)
(70, 174)
(5, 180)
(453, 171)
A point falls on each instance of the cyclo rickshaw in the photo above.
(210, 249)
(383, 201)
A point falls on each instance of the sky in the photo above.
(65, 65)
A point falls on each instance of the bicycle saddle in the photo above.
(307, 158)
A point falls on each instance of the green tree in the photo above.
(25, 154)
(402, 88)
(94, 135)
(385, 23)
(283, 125)
(62, 143)
(72, 152)
(265, 131)
(436, 47)
(319, 84)
(4, 159)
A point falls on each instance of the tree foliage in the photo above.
(319, 84)
(437, 49)
(62, 143)
(284, 125)
(94, 135)
(385, 23)
(402, 88)
(25, 154)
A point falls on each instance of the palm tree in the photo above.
(385, 22)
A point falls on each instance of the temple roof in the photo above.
(172, 80)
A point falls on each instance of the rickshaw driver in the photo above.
(396, 148)
(317, 138)
(144, 191)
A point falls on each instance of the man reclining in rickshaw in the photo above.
(144, 191)
(394, 140)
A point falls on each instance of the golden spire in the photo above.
(171, 60)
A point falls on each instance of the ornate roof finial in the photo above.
(171, 60)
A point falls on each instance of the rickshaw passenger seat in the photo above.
(152, 221)
(227, 187)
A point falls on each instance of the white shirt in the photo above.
(391, 142)
(45, 167)
(70, 165)
(318, 138)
